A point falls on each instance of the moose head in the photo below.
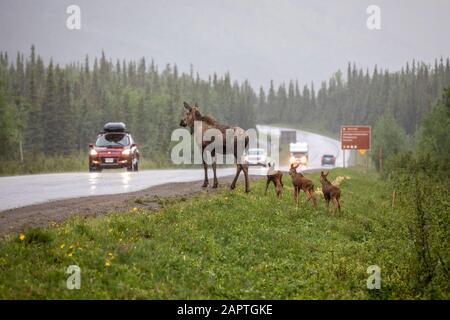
(293, 170)
(323, 176)
(192, 114)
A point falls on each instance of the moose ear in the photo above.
(327, 173)
(187, 106)
(196, 105)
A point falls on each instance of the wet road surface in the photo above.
(18, 191)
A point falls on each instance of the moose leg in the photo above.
(214, 172)
(245, 169)
(327, 200)
(335, 205)
(279, 189)
(205, 181)
(296, 196)
(267, 185)
(308, 195)
(275, 184)
(339, 205)
(311, 196)
(238, 171)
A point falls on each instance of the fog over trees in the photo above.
(57, 110)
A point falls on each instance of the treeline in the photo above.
(360, 98)
(53, 110)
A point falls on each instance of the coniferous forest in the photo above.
(47, 109)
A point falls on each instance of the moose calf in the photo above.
(330, 192)
(276, 177)
(301, 183)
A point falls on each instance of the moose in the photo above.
(301, 183)
(276, 177)
(330, 192)
(239, 136)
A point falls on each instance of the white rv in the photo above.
(298, 153)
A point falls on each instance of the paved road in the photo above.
(318, 145)
(20, 191)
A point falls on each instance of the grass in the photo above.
(42, 164)
(229, 245)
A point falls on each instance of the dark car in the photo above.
(328, 160)
(114, 148)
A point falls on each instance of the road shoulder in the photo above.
(44, 214)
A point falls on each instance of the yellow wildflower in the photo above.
(107, 264)
(62, 246)
(70, 254)
(22, 237)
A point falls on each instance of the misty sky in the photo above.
(256, 40)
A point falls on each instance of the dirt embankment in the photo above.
(40, 215)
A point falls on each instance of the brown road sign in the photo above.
(355, 137)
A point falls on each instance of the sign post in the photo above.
(343, 160)
(355, 137)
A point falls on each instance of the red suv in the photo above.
(114, 148)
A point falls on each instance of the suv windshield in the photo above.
(112, 140)
(298, 154)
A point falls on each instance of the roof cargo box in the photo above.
(114, 127)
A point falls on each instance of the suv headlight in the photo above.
(92, 152)
(126, 152)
